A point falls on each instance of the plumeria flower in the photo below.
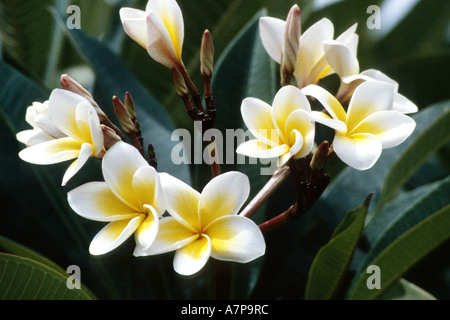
(284, 130)
(369, 125)
(39, 118)
(70, 130)
(206, 225)
(159, 29)
(311, 65)
(344, 62)
(130, 199)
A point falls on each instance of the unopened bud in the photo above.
(291, 42)
(180, 84)
(207, 55)
(123, 116)
(109, 136)
(68, 83)
(129, 105)
(320, 156)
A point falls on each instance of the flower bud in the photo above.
(129, 105)
(207, 55)
(180, 84)
(68, 83)
(109, 136)
(123, 116)
(291, 42)
(320, 156)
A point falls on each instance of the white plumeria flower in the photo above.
(76, 134)
(39, 118)
(344, 62)
(206, 224)
(130, 199)
(369, 125)
(284, 130)
(159, 29)
(311, 65)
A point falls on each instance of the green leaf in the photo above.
(25, 279)
(11, 247)
(423, 146)
(331, 262)
(405, 290)
(404, 252)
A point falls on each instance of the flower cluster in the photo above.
(375, 118)
(164, 213)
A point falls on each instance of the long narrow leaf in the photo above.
(404, 252)
(331, 262)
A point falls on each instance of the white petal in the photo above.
(404, 105)
(256, 149)
(369, 97)
(390, 127)
(62, 106)
(302, 122)
(192, 258)
(96, 131)
(341, 59)
(169, 12)
(119, 165)
(324, 119)
(359, 151)
(297, 143)
(113, 235)
(380, 76)
(311, 49)
(181, 201)
(223, 195)
(33, 137)
(53, 151)
(236, 238)
(328, 101)
(287, 100)
(172, 235)
(85, 153)
(271, 31)
(160, 45)
(147, 189)
(257, 116)
(148, 229)
(134, 24)
(96, 201)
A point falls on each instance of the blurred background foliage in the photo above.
(411, 47)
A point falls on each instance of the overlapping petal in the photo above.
(206, 224)
(182, 201)
(235, 238)
(192, 258)
(119, 166)
(289, 122)
(360, 151)
(368, 126)
(113, 235)
(219, 197)
(130, 199)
